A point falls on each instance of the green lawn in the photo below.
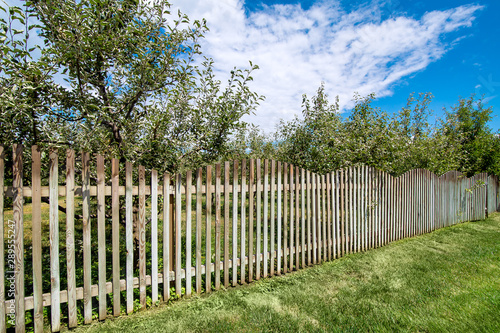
(446, 281)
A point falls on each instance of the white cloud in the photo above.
(296, 49)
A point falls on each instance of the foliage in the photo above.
(466, 127)
(314, 143)
(131, 86)
(250, 142)
(325, 140)
(25, 79)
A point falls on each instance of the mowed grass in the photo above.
(446, 281)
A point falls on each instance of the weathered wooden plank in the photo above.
(319, 218)
(362, 205)
(329, 216)
(392, 209)
(18, 264)
(309, 214)
(258, 213)
(378, 208)
(70, 234)
(199, 175)
(355, 200)
(178, 234)
(101, 237)
(129, 238)
(370, 208)
(87, 260)
(303, 217)
(285, 217)
(336, 231)
(235, 220)
(265, 219)
(250, 220)
(314, 222)
(292, 217)
(234, 239)
(115, 213)
(352, 207)
(141, 231)
(189, 237)
(407, 204)
(243, 220)
(208, 228)
(36, 222)
(273, 224)
(385, 226)
(154, 237)
(54, 245)
(324, 238)
(399, 217)
(217, 225)
(278, 233)
(297, 218)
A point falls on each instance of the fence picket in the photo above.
(101, 237)
(323, 220)
(199, 175)
(314, 222)
(292, 213)
(87, 293)
(70, 236)
(141, 233)
(319, 218)
(189, 183)
(36, 222)
(234, 240)
(335, 187)
(243, 220)
(285, 217)
(178, 235)
(265, 218)
(55, 307)
(297, 219)
(129, 241)
(250, 221)
(258, 211)
(18, 219)
(217, 226)
(303, 217)
(235, 223)
(115, 204)
(208, 231)
(278, 236)
(273, 223)
(309, 215)
(329, 216)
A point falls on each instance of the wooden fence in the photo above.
(239, 221)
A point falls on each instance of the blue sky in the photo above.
(391, 48)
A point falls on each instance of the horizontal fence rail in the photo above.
(116, 237)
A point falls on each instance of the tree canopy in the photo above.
(325, 140)
(118, 77)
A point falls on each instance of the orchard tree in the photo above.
(315, 141)
(26, 83)
(466, 127)
(132, 87)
